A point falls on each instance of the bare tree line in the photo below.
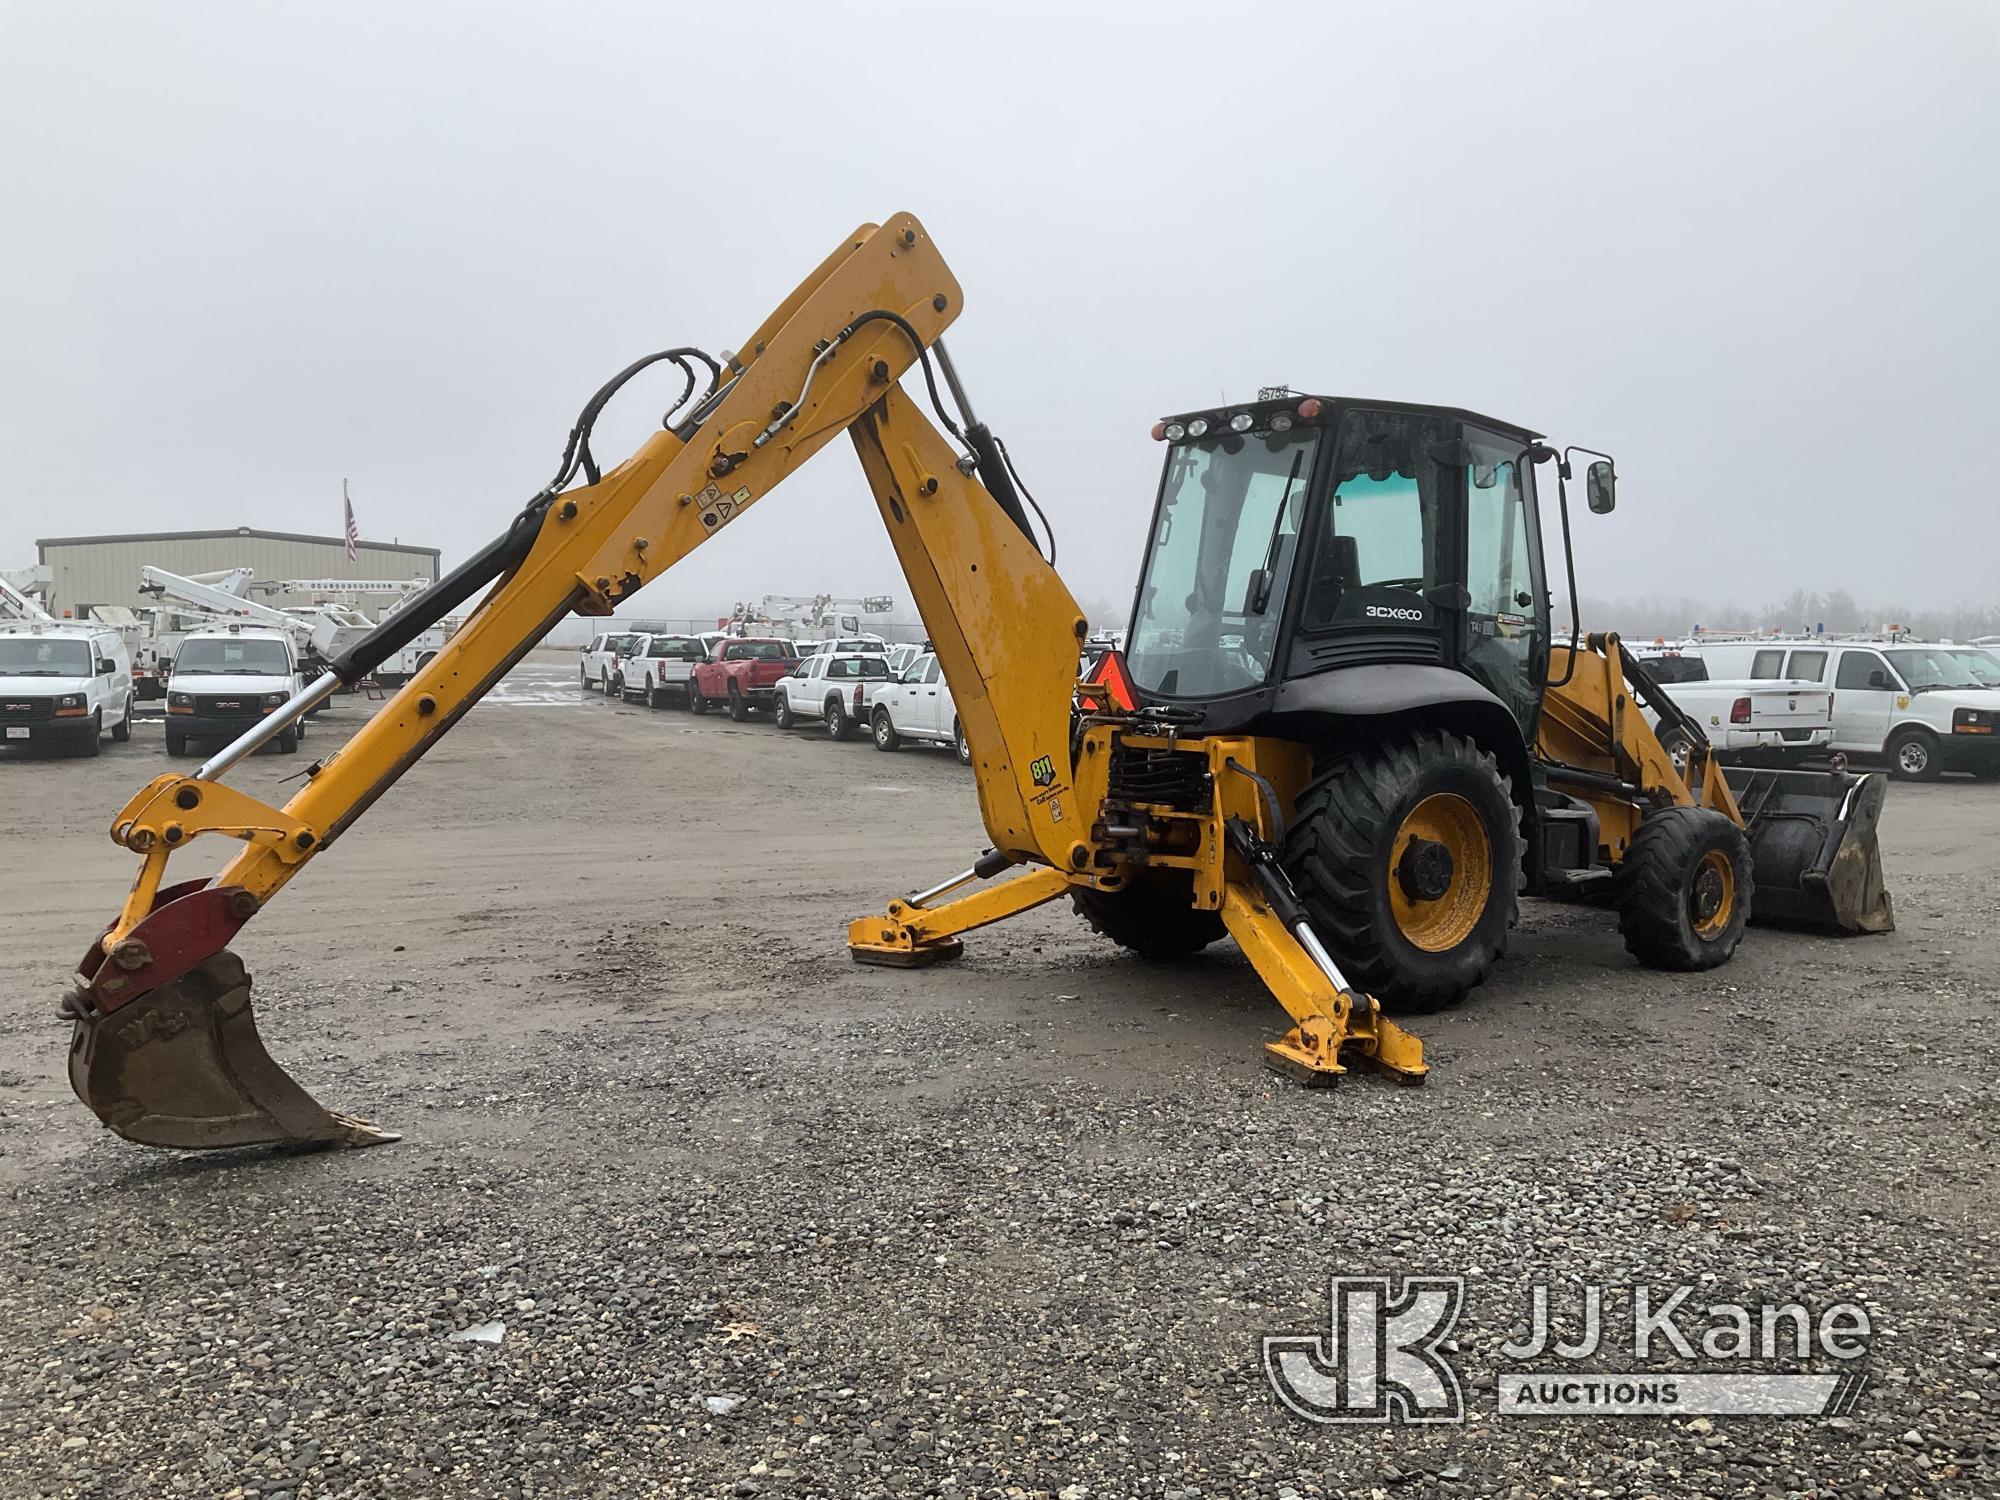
(1655, 615)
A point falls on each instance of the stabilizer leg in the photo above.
(1330, 1021)
(910, 935)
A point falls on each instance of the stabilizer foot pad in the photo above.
(942, 951)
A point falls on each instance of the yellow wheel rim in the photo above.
(1440, 872)
(1712, 894)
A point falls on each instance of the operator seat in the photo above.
(1338, 570)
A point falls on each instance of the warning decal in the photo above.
(718, 509)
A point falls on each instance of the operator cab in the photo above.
(1298, 536)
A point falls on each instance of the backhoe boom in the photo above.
(826, 362)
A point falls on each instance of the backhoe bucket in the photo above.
(184, 1067)
(1813, 849)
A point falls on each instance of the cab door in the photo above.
(1864, 701)
(926, 695)
(1504, 640)
(802, 690)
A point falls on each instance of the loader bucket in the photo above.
(1814, 854)
(184, 1067)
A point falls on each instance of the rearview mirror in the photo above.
(1600, 487)
(106, 667)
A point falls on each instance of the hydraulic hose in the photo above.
(441, 598)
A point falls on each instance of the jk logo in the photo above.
(1379, 1361)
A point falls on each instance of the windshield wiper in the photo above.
(1261, 600)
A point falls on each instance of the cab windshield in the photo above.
(1984, 668)
(249, 656)
(1931, 668)
(32, 656)
(1220, 559)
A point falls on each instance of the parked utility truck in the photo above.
(227, 679)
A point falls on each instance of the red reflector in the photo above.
(1309, 408)
(1739, 711)
(1110, 674)
(1159, 432)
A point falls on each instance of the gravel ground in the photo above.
(734, 1216)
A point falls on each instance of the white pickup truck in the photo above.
(658, 667)
(599, 665)
(918, 706)
(1765, 720)
(837, 690)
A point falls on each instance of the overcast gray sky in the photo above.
(1748, 248)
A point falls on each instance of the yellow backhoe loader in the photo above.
(1344, 733)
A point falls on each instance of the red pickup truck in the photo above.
(740, 673)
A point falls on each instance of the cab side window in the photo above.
(933, 672)
(1767, 664)
(1864, 670)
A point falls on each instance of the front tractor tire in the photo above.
(1408, 856)
(1683, 890)
(1153, 914)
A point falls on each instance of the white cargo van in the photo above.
(1918, 706)
(64, 683)
(225, 679)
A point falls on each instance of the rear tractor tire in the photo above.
(1153, 914)
(1683, 891)
(1408, 856)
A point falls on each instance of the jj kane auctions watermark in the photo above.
(1387, 1355)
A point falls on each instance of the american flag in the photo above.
(353, 532)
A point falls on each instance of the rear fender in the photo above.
(1351, 704)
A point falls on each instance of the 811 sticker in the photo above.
(1042, 771)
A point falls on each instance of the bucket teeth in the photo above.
(185, 1068)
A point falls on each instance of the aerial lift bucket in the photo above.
(1813, 848)
(184, 1067)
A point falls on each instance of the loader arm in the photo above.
(164, 1049)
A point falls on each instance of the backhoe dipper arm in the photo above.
(827, 361)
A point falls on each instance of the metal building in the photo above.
(85, 571)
